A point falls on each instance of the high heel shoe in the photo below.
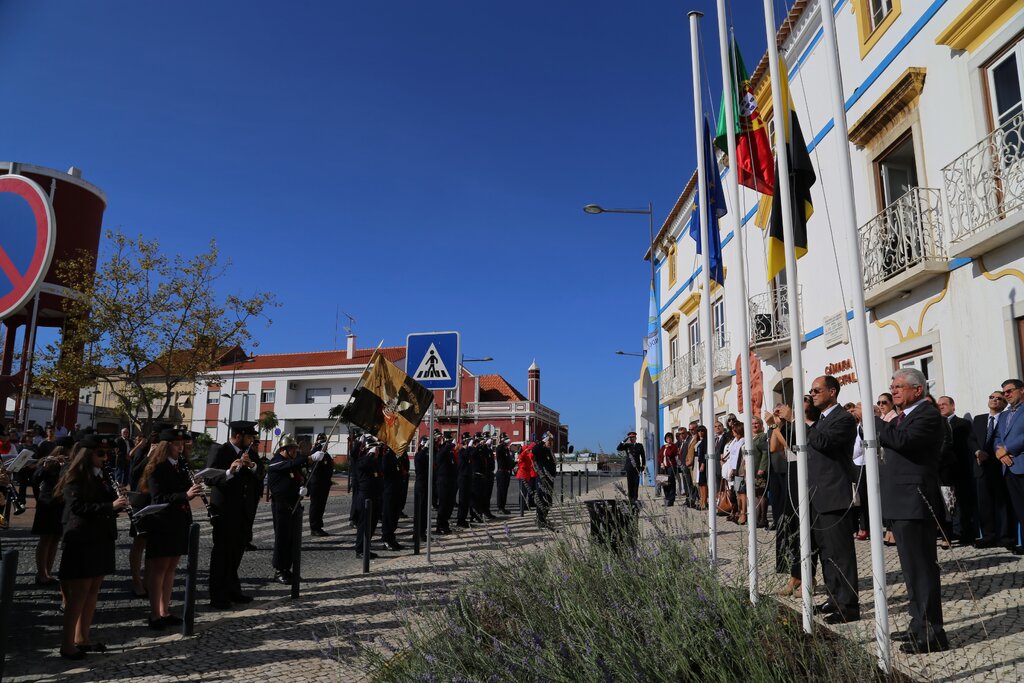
(77, 655)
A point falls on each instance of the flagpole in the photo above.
(430, 474)
(783, 187)
(705, 299)
(861, 349)
(734, 203)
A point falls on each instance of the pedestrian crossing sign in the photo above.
(432, 359)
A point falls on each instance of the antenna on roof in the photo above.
(351, 323)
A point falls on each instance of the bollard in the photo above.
(416, 521)
(588, 479)
(367, 526)
(561, 488)
(8, 573)
(297, 550)
(188, 621)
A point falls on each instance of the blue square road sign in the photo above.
(432, 359)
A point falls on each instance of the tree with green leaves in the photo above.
(146, 325)
(268, 422)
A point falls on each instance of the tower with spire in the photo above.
(533, 382)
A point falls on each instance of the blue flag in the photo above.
(653, 339)
(713, 182)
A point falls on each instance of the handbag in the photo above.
(660, 479)
(724, 504)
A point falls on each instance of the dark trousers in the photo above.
(915, 543)
(965, 521)
(360, 502)
(1015, 490)
(403, 496)
(528, 492)
(353, 512)
(283, 511)
(225, 557)
(686, 484)
(389, 509)
(502, 479)
(862, 517)
(544, 483)
(465, 483)
(632, 485)
(787, 533)
(420, 502)
(481, 496)
(833, 533)
(777, 497)
(669, 487)
(445, 502)
(317, 504)
(992, 505)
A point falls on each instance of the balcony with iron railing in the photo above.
(674, 381)
(769, 319)
(985, 192)
(902, 246)
(721, 362)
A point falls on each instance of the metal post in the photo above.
(784, 190)
(297, 550)
(26, 362)
(367, 523)
(188, 621)
(861, 348)
(705, 299)
(416, 496)
(522, 498)
(8, 573)
(588, 479)
(430, 479)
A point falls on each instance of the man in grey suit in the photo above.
(830, 476)
(909, 474)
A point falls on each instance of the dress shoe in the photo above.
(241, 598)
(282, 576)
(251, 546)
(171, 620)
(442, 532)
(392, 545)
(861, 536)
(319, 532)
(489, 516)
(901, 636)
(462, 525)
(156, 624)
(504, 511)
(373, 555)
(91, 647)
(841, 617)
(985, 543)
(916, 647)
(220, 604)
(827, 607)
(77, 655)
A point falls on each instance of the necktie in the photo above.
(899, 418)
(991, 428)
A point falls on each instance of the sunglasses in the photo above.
(996, 398)
(882, 403)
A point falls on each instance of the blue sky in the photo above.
(420, 165)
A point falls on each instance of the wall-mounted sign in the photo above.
(835, 330)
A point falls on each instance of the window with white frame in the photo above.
(1005, 86)
(718, 322)
(923, 360)
(673, 351)
(268, 396)
(212, 397)
(318, 395)
(880, 9)
(693, 330)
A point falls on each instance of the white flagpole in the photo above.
(705, 299)
(729, 90)
(861, 350)
(782, 186)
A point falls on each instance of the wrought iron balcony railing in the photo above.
(986, 183)
(721, 361)
(769, 316)
(904, 234)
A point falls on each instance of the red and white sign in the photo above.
(27, 237)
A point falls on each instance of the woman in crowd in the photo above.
(527, 476)
(90, 529)
(700, 464)
(735, 469)
(47, 522)
(167, 482)
(759, 448)
(667, 458)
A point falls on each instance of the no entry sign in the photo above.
(27, 236)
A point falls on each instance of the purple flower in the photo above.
(700, 594)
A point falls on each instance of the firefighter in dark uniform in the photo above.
(321, 469)
(370, 488)
(544, 464)
(391, 497)
(504, 463)
(635, 462)
(284, 481)
(483, 468)
(464, 460)
(231, 493)
(422, 468)
(447, 480)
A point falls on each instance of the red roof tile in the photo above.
(278, 361)
(496, 388)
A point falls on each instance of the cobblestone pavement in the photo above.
(310, 639)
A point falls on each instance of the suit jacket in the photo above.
(1010, 435)
(909, 466)
(89, 515)
(963, 454)
(830, 472)
(169, 484)
(981, 441)
(229, 496)
(636, 458)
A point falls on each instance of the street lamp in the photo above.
(649, 212)
(629, 353)
(458, 391)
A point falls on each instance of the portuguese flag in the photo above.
(753, 149)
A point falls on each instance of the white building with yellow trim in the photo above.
(933, 90)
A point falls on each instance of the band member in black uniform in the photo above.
(259, 472)
(284, 481)
(90, 529)
(369, 485)
(321, 469)
(138, 456)
(635, 461)
(391, 475)
(358, 448)
(447, 483)
(483, 477)
(231, 491)
(504, 463)
(544, 463)
(423, 473)
(464, 461)
(167, 483)
(403, 492)
(49, 511)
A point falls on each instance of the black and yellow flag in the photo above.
(388, 403)
(801, 178)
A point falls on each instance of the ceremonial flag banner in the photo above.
(653, 338)
(801, 179)
(753, 149)
(388, 403)
(716, 200)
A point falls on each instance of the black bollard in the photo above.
(188, 621)
(588, 480)
(416, 521)
(368, 512)
(8, 573)
(297, 550)
(561, 488)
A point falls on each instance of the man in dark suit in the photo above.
(464, 458)
(1010, 445)
(504, 463)
(961, 472)
(447, 480)
(231, 493)
(909, 475)
(988, 476)
(830, 475)
(634, 465)
(544, 463)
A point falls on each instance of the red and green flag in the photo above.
(753, 149)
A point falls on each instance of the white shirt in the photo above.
(858, 452)
(906, 411)
(733, 451)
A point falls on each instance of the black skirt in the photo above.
(167, 539)
(84, 559)
(47, 521)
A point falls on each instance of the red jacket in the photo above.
(525, 469)
(668, 455)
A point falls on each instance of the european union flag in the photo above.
(713, 183)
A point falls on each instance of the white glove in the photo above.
(302, 492)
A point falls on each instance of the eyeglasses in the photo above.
(996, 398)
(883, 402)
(816, 390)
(896, 387)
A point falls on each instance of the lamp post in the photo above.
(630, 353)
(649, 212)
(458, 391)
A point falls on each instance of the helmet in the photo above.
(286, 441)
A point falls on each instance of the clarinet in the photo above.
(192, 478)
(120, 491)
